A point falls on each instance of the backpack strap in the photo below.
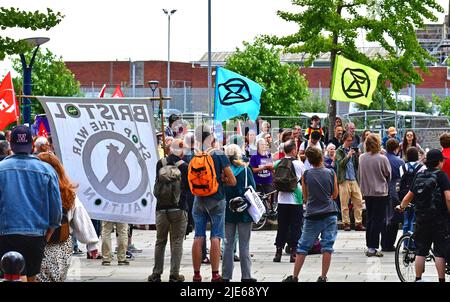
(417, 168)
(179, 163)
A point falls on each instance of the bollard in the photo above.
(12, 265)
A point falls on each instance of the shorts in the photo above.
(325, 227)
(431, 233)
(205, 209)
(31, 248)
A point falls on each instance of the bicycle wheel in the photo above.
(260, 224)
(405, 257)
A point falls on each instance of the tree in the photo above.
(15, 18)
(284, 86)
(50, 77)
(332, 26)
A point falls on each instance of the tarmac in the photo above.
(348, 264)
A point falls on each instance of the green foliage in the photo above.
(332, 26)
(15, 18)
(442, 104)
(313, 104)
(285, 87)
(50, 77)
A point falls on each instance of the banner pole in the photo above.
(162, 121)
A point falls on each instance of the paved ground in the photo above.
(348, 264)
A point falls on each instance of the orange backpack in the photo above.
(202, 176)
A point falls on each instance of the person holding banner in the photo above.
(240, 221)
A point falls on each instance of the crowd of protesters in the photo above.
(348, 177)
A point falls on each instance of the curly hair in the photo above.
(67, 188)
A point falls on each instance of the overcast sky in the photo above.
(137, 30)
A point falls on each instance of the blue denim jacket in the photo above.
(30, 200)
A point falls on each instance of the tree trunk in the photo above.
(332, 103)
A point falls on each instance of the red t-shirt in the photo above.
(446, 167)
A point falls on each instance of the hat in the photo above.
(21, 140)
(392, 130)
(435, 155)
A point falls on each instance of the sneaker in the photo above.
(154, 278)
(249, 280)
(374, 254)
(130, 255)
(322, 279)
(176, 278)
(106, 263)
(217, 279)
(236, 258)
(133, 249)
(290, 279)
(347, 227)
(124, 262)
(197, 279)
(77, 251)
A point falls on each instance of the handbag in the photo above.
(257, 207)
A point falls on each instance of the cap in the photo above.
(21, 140)
(435, 155)
(392, 130)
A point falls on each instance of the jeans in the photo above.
(244, 230)
(325, 227)
(173, 222)
(376, 219)
(290, 218)
(393, 218)
(205, 209)
(409, 218)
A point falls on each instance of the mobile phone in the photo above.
(356, 149)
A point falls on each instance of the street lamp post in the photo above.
(168, 13)
(27, 68)
(153, 84)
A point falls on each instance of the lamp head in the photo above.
(153, 84)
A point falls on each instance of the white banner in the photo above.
(108, 147)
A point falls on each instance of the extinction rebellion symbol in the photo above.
(355, 83)
(118, 173)
(234, 91)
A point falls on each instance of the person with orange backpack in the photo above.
(208, 170)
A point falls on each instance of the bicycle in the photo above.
(405, 257)
(271, 210)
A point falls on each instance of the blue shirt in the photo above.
(396, 163)
(350, 168)
(30, 200)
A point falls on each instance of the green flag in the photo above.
(353, 82)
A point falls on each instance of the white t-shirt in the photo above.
(414, 165)
(289, 197)
(318, 145)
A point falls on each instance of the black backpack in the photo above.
(409, 172)
(427, 196)
(284, 178)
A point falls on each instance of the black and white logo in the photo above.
(355, 83)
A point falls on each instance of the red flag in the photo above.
(102, 91)
(117, 93)
(42, 130)
(9, 109)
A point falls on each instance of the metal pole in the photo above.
(162, 121)
(413, 97)
(134, 80)
(396, 108)
(184, 84)
(26, 102)
(168, 61)
(209, 59)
